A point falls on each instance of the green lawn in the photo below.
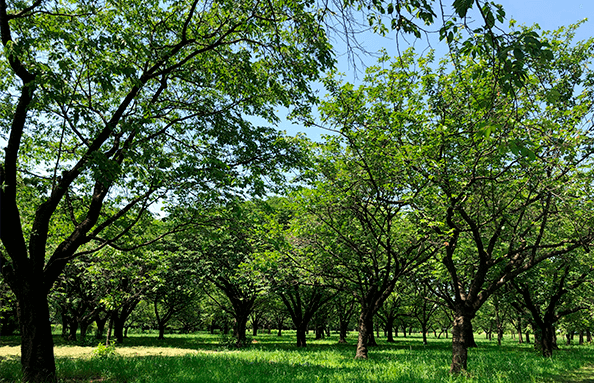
(274, 359)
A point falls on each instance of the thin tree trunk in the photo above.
(424, 330)
(161, 331)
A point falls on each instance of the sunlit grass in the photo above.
(276, 359)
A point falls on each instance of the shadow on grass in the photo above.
(582, 375)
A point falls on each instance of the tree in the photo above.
(173, 285)
(492, 174)
(344, 305)
(77, 297)
(469, 27)
(226, 249)
(390, 311)
(422, 306)
(126, 101)
(559, 282)
(293, 275)
(354, 215)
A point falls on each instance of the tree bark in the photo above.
(364, 334)
(301, 335)
(118, 328)
(240, 329)
(366, 337)
(319, 331)
(161, 331)
(342, 331)
(389, 329)
(547, 340)
(72, 331)
(462, 339)
(100, 322)
(424, 331)
(37, 345)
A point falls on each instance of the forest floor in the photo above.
(204, 357)
(581, 375)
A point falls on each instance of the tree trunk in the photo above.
(37, 345)
(389, 327)
(424, 330)
(462, 339)
(499, 333)
(240, 329)
(365, 332)
(73, 330)
(588, 336)
(161, 330)
(371, 342)
(100, 327)
(65, 324)
(319, 331)
(547, 341)
(581, 338)
(301, 335)
(84, 326)
(118, 328)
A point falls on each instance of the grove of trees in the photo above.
(143, 181)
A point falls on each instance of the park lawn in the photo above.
(201, 358)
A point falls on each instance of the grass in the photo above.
(200, 358)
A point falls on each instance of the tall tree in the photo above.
(489, 172)
(124, 101)
(355, 212)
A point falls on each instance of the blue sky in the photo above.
(548, 14)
